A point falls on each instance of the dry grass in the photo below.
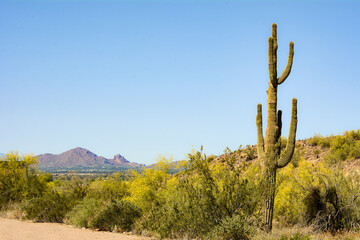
(12, 211)
(277, 233)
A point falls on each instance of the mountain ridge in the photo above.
(82, 157)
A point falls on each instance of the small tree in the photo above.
(19, 178)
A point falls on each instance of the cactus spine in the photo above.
(270, 154)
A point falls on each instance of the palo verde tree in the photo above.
(270, 154)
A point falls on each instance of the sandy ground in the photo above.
(11, 229)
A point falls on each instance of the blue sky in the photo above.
(143, 78)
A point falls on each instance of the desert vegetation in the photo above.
(209, 197)
(238, 195)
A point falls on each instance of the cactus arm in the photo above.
(286, 157)
(274, 35)
(260, 137)
(272, 62)
(287, 69)
(279, 124)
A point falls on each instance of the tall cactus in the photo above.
(270, 155)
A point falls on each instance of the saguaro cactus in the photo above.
(270, 155)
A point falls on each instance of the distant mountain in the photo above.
(84, 158)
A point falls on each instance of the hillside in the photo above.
(81, 157)
(344, 147)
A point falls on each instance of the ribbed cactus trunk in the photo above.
(270, 154)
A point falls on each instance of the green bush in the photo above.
(346, 146)
(297, 236)
(20, 179)
(319, 140)
(331, 202)
(353, 134)
(51, 207)
(232, 228)
(106, 216)
(337, 212)
(199, 199)
(83, 212)
(250, 153)
(75, 188)
(313, 203)
(318, 195)
(119, 215)
(112, 187)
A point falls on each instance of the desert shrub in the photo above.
(153, 190)
(230, 228)
(51, 207)
(112, 187)
(346, 146)
(319, 140)
(296, 236)
(355, 153)
(20, 179)
(111, 215)
(353, 134)
(192, 203)
(250, 153)
(74, 187)
(292, 187)
(313, 204)
(341, 147)
(314, 140)
(58, 199)
(340, 207)
(146, 187)
(321, 196)
(329, 215)
(83, 212)
(119, 215)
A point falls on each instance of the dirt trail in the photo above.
(11, 229)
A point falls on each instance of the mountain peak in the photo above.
(81, 150)
(120, 159)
